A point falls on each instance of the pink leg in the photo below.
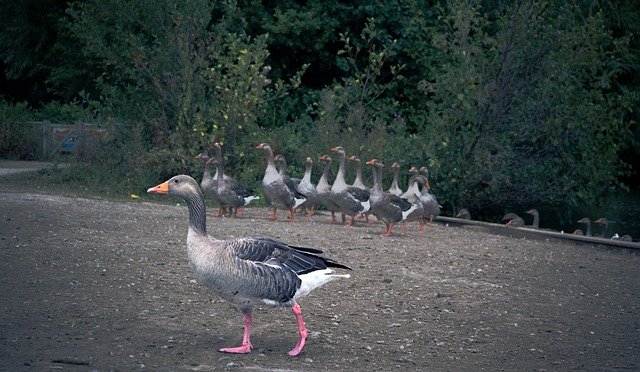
(350, 223)
(302, 330)
(273, 215)
(310, 211)
(333, 218)
(246, 342)
(388, 233)
(291, 212)
(421, 225)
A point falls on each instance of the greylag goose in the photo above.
(587, 222)
(357, 182)
(605, 226)
(302, 185)
(513, 220)
(249, 271)
(413, 196)
(276, 191)
(307, 188)
(464, 214)
(395, 189)
(352, 200)
(210, 184)
(231, 193)
(536, 218)
(389, 208)
(290, 181)
(323, 189)
(577, 232)
(429, 201)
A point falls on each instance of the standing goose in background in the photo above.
(464, 214)
(231, 193)
(231, 188)
(291, 182)
(352, 200)
(308, 189)
(357, 182)
(413, 196)
(210, 184)
(323, 189)
(586, 221)
(605, 226)
(249, 272)
(513, 220)
(429, 201)
(395, 189)
(389, 208)
(276, 192)
(536, 218)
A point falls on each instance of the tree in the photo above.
(522, 103)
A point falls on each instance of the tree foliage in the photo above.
(523, 111)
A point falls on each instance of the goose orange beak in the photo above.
(162, 188)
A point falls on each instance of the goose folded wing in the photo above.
(359, 194)
(259, 250)
(399, 202)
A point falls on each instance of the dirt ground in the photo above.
(91, 285)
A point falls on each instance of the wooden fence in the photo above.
(65, 139)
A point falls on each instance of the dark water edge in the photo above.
(621, 209)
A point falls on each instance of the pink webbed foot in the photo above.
(244, 349)
(246, 339)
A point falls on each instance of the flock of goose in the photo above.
(350, 200)
(255, 271)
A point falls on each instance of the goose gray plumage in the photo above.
(302, 186)
(536, 218)
(308, 189)
(232, 195)
(352, 200)
(323, 189)
(209, 184)
(357, 182)
(389, 208)
(276, 192)
(289, 181)
(605, 226)
(464, 214)
(587, 222)
(513, 220)
(413, 196)
(249, 271)
(395, 189)
(432, 208)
